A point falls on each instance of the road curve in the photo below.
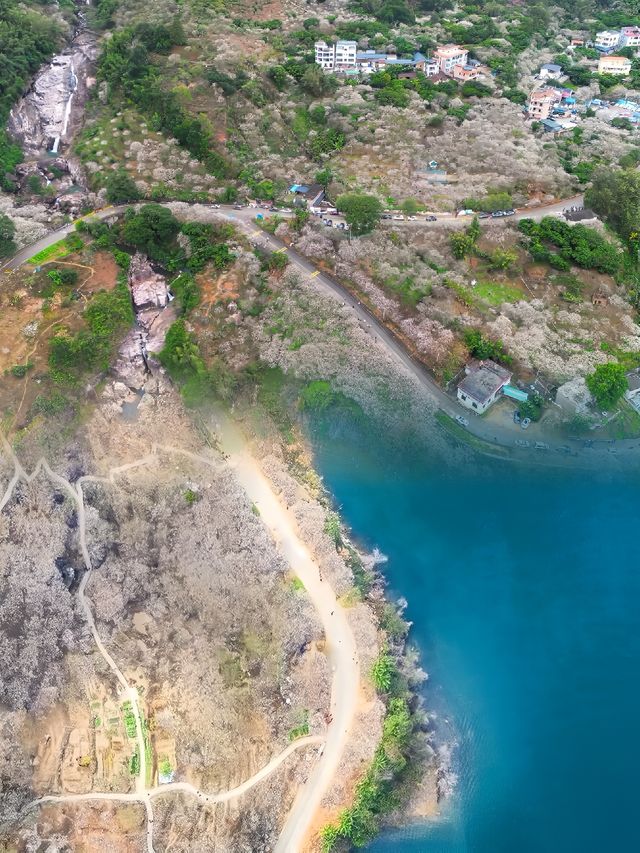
(186, 787)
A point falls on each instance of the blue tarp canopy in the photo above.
(298, 188)
(515, 393)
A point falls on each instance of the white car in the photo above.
(412, 218)
(399, 217)
(462, 421)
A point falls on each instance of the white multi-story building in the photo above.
(450, 55)
(608, 39)
(431, 67)
(614, 65)
(336, 57)
(325, 55)
(630, 37)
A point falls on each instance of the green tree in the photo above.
(462, 244)
(324, 177)
(615, 195)
(315, 82)
(152, 230)
(121, 188)
(502, 259)
(410, 206)
(7, 233)
(607, 384)
(361, 211)
(278, 76)
(300, 219)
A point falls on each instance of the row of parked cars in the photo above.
(497, 214)
(402, 218)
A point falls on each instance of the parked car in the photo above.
(484, 215)
(525, 423)
(462, 421)
(541, 445)
(215, 205)
(238, 206)
(398, 216)
(328, 223)
(431, 219)
(516, 417)
(497, 214)
(412, 218)
(522, 442)
(386, 216)
(508, 213)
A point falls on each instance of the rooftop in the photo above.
(448, 50)
(483, 380)
(308, 191)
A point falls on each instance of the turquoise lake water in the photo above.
(524, 592)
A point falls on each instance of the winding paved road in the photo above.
(492, 435)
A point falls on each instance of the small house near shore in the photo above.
(482, 385)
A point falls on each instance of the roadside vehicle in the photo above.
(431, 219)
(484, 215)
(516, 417)
(462, 421)
(508, 213)
(386, 216)
(522, 442)
(215, 205)
(497, 214)
(398, 216)
(541, 445)
(526, 422)
(238, 206)
(412, 218)
(328, 223)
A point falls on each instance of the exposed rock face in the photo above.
(50, 113)
(154, 315)
(148, 288)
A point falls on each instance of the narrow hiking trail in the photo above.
(341, 647)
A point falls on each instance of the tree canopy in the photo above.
(607, 384)
(361, 211)
(7, 232)
(152, 230)
(615, 195)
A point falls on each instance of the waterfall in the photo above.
(73, 85)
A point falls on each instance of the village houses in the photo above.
(482, 385)
(608, 40)
(344, 57)
(542, 102)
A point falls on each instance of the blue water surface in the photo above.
(523, 588)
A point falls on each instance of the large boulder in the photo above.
(148, 288)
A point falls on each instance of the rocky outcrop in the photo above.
(47, 117)
(148, 288)
(154, 314)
